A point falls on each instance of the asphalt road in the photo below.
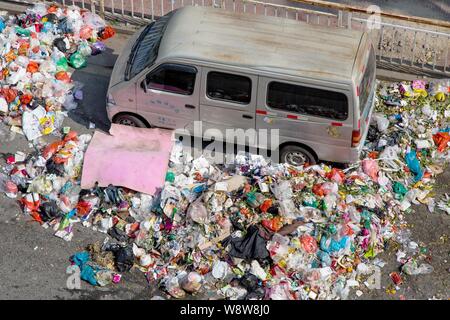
(33, 262)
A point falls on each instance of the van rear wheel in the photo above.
(129, 120)
(296, 156)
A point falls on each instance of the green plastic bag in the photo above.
(23, 32)
(62, 64)
(399, 189)
(170, 176)
(77, 61)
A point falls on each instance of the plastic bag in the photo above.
(62, 76)
(382, 122)
(84, 49)
(370, 167)
(440, 89)
(86, 32)
(192, 282)
(33, 67)
(197, 211)
(414, 165)
(273, 224)
(62, 64)
(3, 105)
(336, 175)
(309, 244)
(62, 44)
(106, 33)
(412, 268)
(77, 61)
(97, 48)
(441, 139)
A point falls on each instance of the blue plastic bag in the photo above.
(2, 25)
(414, 165)
(81, 259)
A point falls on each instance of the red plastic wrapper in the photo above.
(396, 278)
(32, 67)
(62, 76)
(273, 224)
(107, 33)
(309, 244)
(441, 139)
(266, 205)
(336, 175)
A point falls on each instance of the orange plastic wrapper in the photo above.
(107, 33)
(85, 32)
(336, 175)
(26, 98)
(441, 139)
(10, 56)
(52, 8)
(62, 76)
(83, 208)
(318, 190)
(8, 94)
(53, 148)
(32, 67)
(23, 49)
(309, 244)
(266, 205)
(273, 224)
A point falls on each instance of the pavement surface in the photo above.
(33, 262)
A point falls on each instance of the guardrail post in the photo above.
(339, 22)
(102, 8)
(93, 2)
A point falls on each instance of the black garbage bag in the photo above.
(123, 255)
(112, 195)
(36, 102)
(251, 246)
(60, 44)
(250, 282)
(49, 211)
(55, 168)
(118, 234)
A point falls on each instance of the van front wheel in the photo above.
(129, 120)
(296, 156)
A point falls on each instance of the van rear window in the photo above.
(306, 100)
(367, 81)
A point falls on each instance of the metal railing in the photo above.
(397, 41)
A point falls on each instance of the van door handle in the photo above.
(247, 116)
(189, 106)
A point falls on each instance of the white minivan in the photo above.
(315, 84)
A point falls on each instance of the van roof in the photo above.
(273, 44)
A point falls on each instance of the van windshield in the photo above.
(367, 82)
(145, 49)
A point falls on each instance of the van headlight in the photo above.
(110, 100)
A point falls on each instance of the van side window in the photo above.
(229, 87)
(305, 100)
(173, 78)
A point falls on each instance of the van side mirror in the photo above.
(144, 86)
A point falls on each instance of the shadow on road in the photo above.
(95, 78)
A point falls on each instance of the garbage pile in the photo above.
(253, 230)
(38, 50)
